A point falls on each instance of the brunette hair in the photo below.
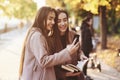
(41, 19)
(85, 24)
(59, 45)
(86, 19)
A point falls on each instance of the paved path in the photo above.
(107, 73)
(10, 48)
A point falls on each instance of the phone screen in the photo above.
(76, 36)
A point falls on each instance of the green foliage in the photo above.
(19, 8)
(113, 16)
(80, 8)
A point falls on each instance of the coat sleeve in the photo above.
(39, 49)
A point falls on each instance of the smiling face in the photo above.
(50, 20)
(62, 23)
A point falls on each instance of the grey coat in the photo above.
(38, 65)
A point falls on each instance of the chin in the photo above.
(50, 29)
(63, 31)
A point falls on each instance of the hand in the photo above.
(83, 57)
(73, 47)
(68, 74)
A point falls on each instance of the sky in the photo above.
(40, 3)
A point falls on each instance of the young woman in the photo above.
(38, 58)
(66, 37)
(86, 38)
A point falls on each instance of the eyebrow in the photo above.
(63, 18)
(51, 17)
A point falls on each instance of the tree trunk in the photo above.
(113, 20)
(103, 27)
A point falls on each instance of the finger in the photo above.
(76, 74)
(74, 41)
(77, 44)
(68, 74)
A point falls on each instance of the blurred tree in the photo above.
(18, 8)
(54, 3)
(103, 27)
(113, 16)
(96, 7)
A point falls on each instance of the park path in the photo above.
(107, 73)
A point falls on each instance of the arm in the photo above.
(81, 55)
(40, 51)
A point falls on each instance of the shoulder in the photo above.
(72, 32)
(37, 38)
(72, 35)
(36, 32)
(36, 35)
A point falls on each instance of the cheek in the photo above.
(67, 24)
(59, 28)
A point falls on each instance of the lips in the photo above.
(62, 27)
(50, 26)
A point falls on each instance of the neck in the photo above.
(62, 33)
(50, 33)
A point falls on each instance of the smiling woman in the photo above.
(66, 37)
(38, 55)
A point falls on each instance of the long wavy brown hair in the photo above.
(40, 22)
(57, 35)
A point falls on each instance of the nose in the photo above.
(62, 23)
(53, 22)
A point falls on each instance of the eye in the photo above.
(59, 21)
(65, 20)
(50, 18)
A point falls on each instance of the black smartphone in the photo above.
(76, 36)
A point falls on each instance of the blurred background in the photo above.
(16, 16)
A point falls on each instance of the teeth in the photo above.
(62, 27)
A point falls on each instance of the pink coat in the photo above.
(38, 65)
